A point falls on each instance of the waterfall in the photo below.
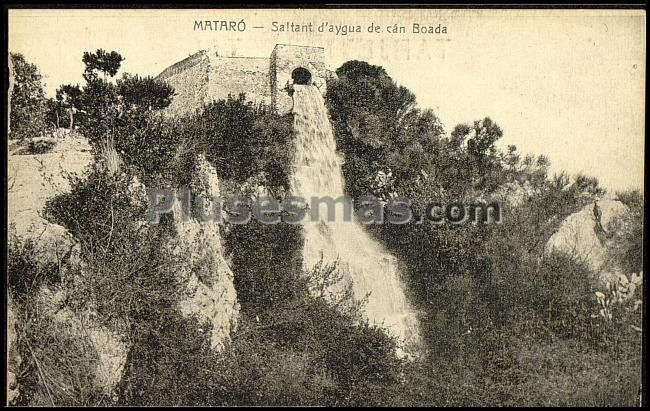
(363, 261)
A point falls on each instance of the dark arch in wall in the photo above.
(301, 76)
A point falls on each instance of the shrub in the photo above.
(266, 263)
(122, 112)
(58, 362)
(25, 274)
(320, 334)
(627, 233)
(301, 351)
(169, 364)
(631, 198)
(38, 147)
(556, 290)
(565, 373)
(242, 140)
(346, 358)
(129, 275)
(292, 347)
(378, 127)
(96, 206)
(154, 148)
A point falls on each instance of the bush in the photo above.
(631, 198)
(129, 277)
(154, 149)
(96, 206)
(266, 263)
(292, 346)
(556, 291)
(378, 127)
(57, 363)
(169, 363)
(129, 274)
(301, 351)
(331, 355)
(565, 373)
(38, 147)
(25, 275)
(627, 230)
(242, 140)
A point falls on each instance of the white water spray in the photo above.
(317, 173)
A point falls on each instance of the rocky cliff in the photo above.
(33, 179)
(211, 295)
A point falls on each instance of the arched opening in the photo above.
(301, 76)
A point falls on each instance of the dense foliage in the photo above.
(481, 287)
(27, 101)
(243, 141)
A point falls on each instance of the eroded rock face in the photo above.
(586, 239)
(34, 179)
(101, 352)
(211, 295)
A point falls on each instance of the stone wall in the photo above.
(286, 58)
(207, 76)
(235, 75)
(190, 79)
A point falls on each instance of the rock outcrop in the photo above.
(211, 295)
(32, 180)
(582, 236)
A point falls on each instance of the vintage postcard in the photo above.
(343, 207)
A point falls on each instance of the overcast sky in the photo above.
(568, 84)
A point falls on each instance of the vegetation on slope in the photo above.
(503, 323)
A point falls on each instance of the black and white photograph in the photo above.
(324, 206)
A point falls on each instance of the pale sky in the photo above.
(568, 84)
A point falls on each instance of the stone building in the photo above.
(206, 76)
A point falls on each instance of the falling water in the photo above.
(370, 268)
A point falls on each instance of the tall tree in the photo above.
(379, 128)
(121, 114)
(27, 113)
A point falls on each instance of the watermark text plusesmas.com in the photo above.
(298, 210)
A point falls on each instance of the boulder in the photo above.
(587, 240)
